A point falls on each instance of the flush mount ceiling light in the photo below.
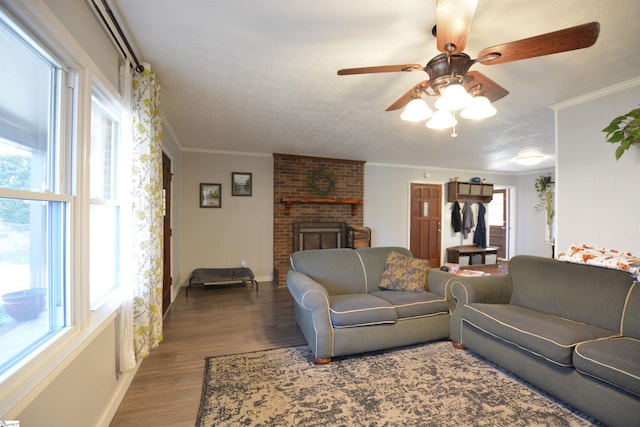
(530, 159)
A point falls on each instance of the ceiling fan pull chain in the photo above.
(453, 131)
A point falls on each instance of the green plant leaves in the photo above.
(624, 130)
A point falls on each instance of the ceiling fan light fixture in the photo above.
(479, 107)
(416, 111)
(453, 97)
(530, 159)
(442, 119)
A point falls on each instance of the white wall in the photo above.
(387, 200)
(598, 198)
(82, 22)
(242, 229)
(80, 393)
(530, 228)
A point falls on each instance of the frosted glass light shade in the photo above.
(416, 110)
(453, 97)
(478, 108)
(530, 159)
(442, 119)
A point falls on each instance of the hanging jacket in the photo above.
(480, 235)
(456, 221)
(467, 219)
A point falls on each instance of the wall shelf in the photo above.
(288, 201)
(469, 192)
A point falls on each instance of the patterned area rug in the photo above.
(427, 385)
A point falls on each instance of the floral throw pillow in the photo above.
(403, 273)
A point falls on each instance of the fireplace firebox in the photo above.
(319, 235)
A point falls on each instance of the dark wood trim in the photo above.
(288, 201)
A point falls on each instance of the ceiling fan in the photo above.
(450, 69)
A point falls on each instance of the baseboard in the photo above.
(118, 396)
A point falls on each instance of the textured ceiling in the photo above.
(254, 76)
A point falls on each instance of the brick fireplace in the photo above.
(293, 182)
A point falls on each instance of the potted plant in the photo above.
(25, 305)
(546, 202)
(543, 185)
(624, 130)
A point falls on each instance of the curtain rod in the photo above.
(120, 38)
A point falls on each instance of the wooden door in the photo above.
(426, 213)
(167, 281)
(498, 222)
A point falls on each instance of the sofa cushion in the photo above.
(573, 291)
(338, 270)
(615, 361)
(360, 310)
(415, 304)
(548, 336)
(403, 273)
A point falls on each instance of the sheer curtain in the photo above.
(141, 316)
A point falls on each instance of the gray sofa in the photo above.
(571, 329)
(341, 310)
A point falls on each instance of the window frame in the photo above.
(22, 383)
(112, 105)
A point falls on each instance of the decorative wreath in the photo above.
(321, 182)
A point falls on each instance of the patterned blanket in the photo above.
(607, 258)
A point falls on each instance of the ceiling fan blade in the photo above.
(573, 38)
(404, 99)
(380, 69)
(492, 90)
(453, 23)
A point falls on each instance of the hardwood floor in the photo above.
(212, 321)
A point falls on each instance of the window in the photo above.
(105, 204)
(34, 202)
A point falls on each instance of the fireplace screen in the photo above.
(319, 235)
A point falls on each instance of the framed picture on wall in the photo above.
(210, 195)
(241, 183)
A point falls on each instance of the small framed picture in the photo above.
(241, 184)
(210, 195)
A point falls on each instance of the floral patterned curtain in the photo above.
(145, 312)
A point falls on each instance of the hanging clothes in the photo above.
(480, 235)
(456, 221)
(467, 219)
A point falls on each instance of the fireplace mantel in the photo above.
(288, 201)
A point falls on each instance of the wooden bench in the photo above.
(471, 252)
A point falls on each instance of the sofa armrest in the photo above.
(485, 289)
(465, 290)
(307, 292)
(438, 281)
(312, 313)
